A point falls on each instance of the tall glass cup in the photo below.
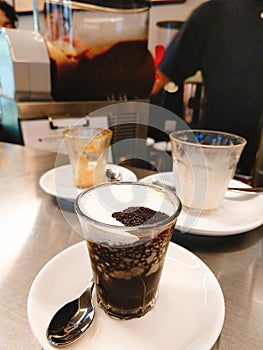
(204, 161)
(88, 152)
(127, 227)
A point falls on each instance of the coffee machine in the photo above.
(81, 57)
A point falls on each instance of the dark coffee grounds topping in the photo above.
(136, 216)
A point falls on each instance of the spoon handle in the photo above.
(242, 189)
(247, 189)
(85, 298)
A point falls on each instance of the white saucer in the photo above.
(59, 182)
(189, 312)
(241, 212)
(163, 146)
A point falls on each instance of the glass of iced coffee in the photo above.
(88, 152)
(127, 227)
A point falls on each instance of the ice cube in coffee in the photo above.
(127, 227)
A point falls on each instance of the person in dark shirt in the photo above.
(224, 40)
(8, 17)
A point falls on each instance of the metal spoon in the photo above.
(113, 175)
(246, 189)
(72, 320)
(242, 189)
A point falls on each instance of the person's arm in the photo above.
(160, 81)
(182, 57)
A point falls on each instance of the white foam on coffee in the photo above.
(101, 202)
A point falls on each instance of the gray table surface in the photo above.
(33, 230)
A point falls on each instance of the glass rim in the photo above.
(78, 5)
(169, 194)
(69, 132)
(173, 134)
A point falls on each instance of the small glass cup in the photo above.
(127, 261)
(204, 161)
(88, 152)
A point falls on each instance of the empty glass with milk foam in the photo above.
(88, 152)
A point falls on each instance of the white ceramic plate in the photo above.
(59, 182)
(188, 315)
(241, 212)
